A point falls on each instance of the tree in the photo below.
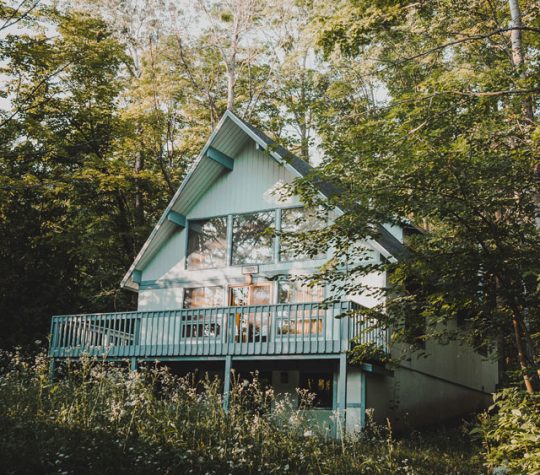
(67, 194)
(451, 147)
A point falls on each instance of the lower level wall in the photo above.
(411, 399)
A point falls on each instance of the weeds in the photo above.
(101, 418)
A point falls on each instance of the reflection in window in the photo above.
(203, 297)
(300, 320)
(319, 384)
(207, 243)
(195, 327)
(252, 238)
(295, 222)
(298, 292)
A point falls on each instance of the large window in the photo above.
(207, 243)
(206, 324)
(203, 297)
(253, 238)
(294, 223)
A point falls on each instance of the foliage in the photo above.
(447, 150)
(366, 353)
(103, 107)
(511, 432)
(99, 418)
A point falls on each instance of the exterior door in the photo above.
(253, 325)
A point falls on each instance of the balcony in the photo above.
(251, 331)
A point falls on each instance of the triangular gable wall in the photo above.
(231, 136)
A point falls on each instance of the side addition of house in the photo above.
(217, 291)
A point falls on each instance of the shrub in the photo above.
(511, 433)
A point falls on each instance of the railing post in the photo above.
(344, 327)
(227, 382)
(54, 336)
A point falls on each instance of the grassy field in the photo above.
(100, 419)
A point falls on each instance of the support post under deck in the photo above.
(363, 395)
(342, 392)
(52, 370)
(227, 382)
(133, 364)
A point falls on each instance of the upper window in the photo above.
(295, 222)
(253, 238)
(207, 243)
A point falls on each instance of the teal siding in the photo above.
(169, 255)
(247, 188)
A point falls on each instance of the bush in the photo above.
(511, 433)
(101, 418)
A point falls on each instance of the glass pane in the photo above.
(294, 222)
(252, 238)
(197, 326)
(203, 297)
(260, 294)
(302, 325)
(207, 243)
(295, 292)
(320, 385)
(239, 296)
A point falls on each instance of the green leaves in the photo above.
(448, 149)
(511, 432)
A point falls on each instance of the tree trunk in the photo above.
(521, 353)
(517, 52)
(231, 82)
(139, 199)
(518, 61)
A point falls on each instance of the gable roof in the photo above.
(229, 137)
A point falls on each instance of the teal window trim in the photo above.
(277, 238)
(228, 262)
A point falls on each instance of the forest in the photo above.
(424, 114)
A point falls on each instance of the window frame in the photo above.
(275, 254)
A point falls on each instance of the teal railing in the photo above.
(281, 329)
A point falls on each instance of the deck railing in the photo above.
(280, 329)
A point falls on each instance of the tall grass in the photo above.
(98, 418)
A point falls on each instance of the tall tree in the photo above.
(451, 145)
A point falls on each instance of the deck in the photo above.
(251, 331)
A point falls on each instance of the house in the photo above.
(216, 292)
